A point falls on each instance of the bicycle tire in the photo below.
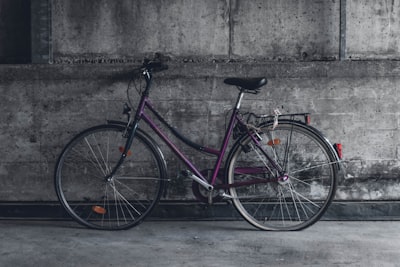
(311, 167)
(98, 201)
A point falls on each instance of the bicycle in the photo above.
(280, 173)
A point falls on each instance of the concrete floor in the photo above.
(199, 243)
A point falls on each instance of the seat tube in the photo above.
(227, 136)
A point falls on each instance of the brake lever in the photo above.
(127, 111)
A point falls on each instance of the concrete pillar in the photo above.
(41, 31)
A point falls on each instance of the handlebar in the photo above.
(146, 70)
(154, 66)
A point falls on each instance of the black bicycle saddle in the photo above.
(247, 83)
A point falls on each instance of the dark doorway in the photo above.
(15, 31)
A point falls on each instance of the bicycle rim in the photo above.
(292, 202)
(93, 197)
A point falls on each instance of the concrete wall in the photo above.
(293, 43)
(261, 30)
(237, 30)
(372, 29)
(351, 102)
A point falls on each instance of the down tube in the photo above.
(174, 148)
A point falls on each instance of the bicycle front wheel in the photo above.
(272, 201)
(98, 200)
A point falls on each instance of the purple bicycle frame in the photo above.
(145, 103)
(219, 153)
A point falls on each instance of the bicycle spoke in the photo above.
(134, 193)
(79, 155)
(136, 178)
(95, 157)
(262, 158)
(315, 166)
(284, 207)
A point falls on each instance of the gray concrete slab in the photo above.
(199, 243)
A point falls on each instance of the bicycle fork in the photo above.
(131, 127)
(125, 152)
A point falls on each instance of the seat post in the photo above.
(239, 99)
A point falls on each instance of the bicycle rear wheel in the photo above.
(294, 201)
(100, 201)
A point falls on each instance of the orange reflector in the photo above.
(99, 210)
(274, 142)
(121, 149)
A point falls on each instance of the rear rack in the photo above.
(259, 119)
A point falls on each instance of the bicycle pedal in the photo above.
(203, 183)
(210, 198)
